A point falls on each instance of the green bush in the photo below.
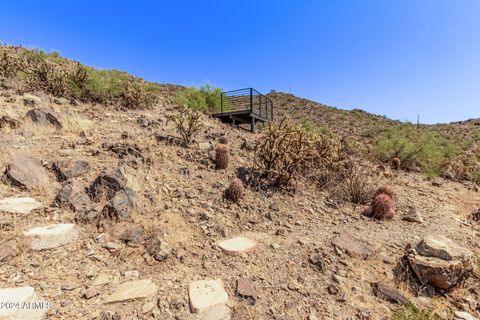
(49, 72)
(411, 312)
(205, 99)
(416, 148)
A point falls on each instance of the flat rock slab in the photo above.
(132, 290)
(206, 294)
(352, 246)
(237, 245)
(21, 205)
(20, 295)
(443, 248)
(26, 172)
(53, 236)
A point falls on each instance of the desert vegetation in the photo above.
(35, 70)
(205, 98)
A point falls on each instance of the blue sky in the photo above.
(399, 58)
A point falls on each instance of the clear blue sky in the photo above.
(394, 57)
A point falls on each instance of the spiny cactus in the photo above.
(388, 190)
(382, 207)
(223, 140)
(235, 191)
(222, 155)
(396, 163)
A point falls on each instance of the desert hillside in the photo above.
(109, 211)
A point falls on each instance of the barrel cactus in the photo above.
(222, 155)
(235, 191)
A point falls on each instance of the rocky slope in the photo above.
(140, 219)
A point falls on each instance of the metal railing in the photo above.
(247, 99)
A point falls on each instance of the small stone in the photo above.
(246, 289)
(333, 289)
(133, 290)
(352, 246)
(204, 146)
(6, 251)
(462, 315)
(206, 294)
(100, 280)
(22, 205)
(237, 245)
(90, 293)
(158, 249)
(51, 236)
(133, 234)
(412, 215)
(147, 307)
(385, 292)
(120, 206)
(74, 196)
(317, 260)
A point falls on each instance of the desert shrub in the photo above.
(463, 167)
(134, 95)
(235, 191)
(187, 123)
(415, 148)
(353, 182)
(36, 70)
(411, 312)
(205, 99)
(9, 66)
(283, 153)
(222, 155)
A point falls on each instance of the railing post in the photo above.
(221, 102)
(251, 100)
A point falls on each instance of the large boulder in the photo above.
(26, 172)
(66, 169)
(44, 118)
(73, 196)
(111, 186)
(107, 184)
(440, 262)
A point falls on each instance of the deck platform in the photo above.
(245, 106)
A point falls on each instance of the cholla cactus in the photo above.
(388, 190)
(223, 140)
(396, 163)
(235, 191)
(222, 155)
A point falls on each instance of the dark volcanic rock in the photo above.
(66, 169)
(107, 184)
(44, 118)
(120, 206)
(73, 194)
(26, 172)
(8, 122)
(156, 248)
(385, 292)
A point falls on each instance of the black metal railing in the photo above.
(247, 99)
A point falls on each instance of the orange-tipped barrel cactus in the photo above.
(235, 191)
(222, 155)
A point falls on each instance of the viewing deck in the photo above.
(245, 106)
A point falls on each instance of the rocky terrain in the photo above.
(104, 215)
